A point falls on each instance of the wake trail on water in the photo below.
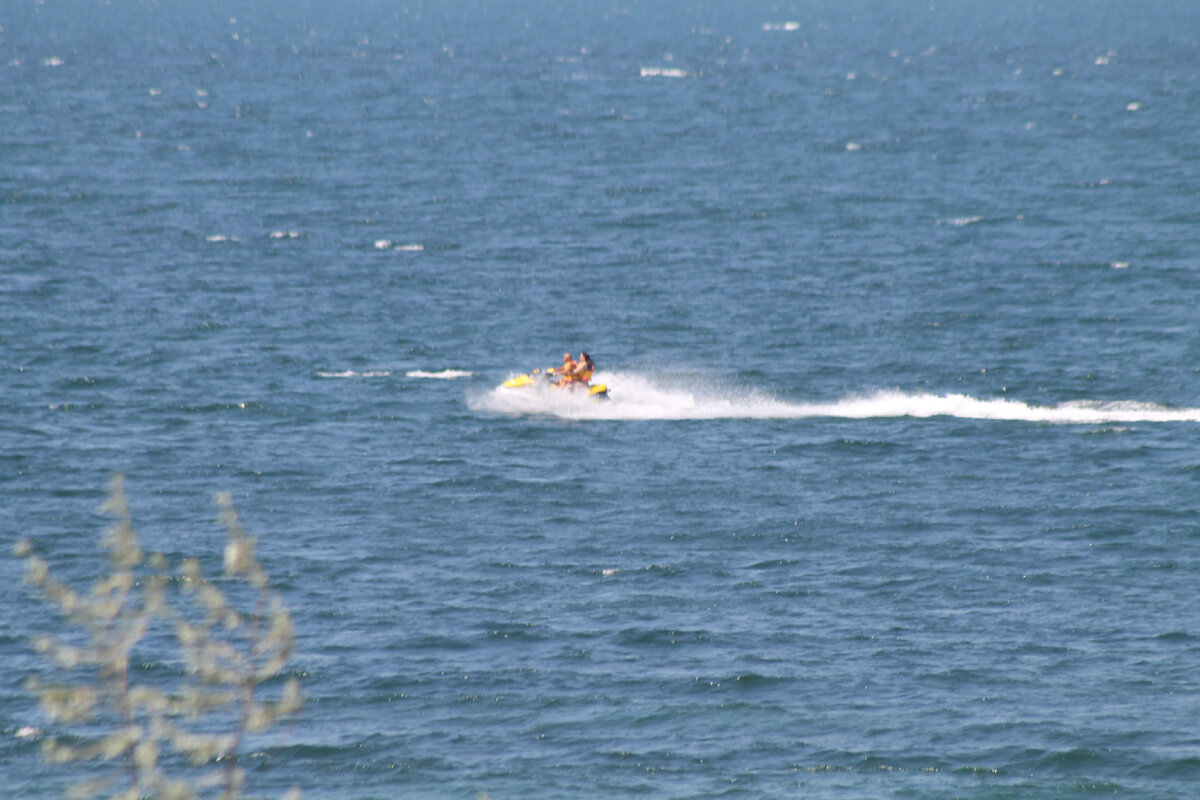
(442, 375)
(634, 396)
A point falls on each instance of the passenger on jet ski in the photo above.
(581, 372)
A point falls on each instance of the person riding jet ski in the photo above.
(581, 372)
(574, 375)
(568, 366)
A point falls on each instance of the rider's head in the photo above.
(566, 357)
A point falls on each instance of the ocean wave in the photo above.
(639, 397)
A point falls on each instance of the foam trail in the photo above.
(446, 374)
(638, 397)
(350, 373)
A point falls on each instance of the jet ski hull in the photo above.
(597, 390)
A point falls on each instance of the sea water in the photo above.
(896, 491)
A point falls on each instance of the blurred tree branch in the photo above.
(173, 724)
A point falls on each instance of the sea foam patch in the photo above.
(388, 244)
(664, 72)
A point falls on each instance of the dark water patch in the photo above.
(376, 743)
(1071, 759)
(775, 564)
(1170, 768)
(437, 642)
(753, 681)
(662, 637)
(526, 633)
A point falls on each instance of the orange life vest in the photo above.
(583, 376)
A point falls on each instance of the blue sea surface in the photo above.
(897, 491)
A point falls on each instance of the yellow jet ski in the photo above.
(546, 378)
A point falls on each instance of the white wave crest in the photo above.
(446, 374)
(638, 397)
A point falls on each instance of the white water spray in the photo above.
(639, 397)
